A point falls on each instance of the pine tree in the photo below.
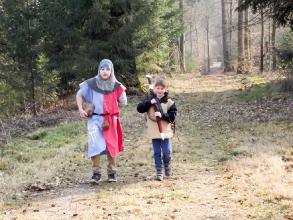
(64, 42)
(20, 49)
(281, 10)
(157, 39)
(59, 43)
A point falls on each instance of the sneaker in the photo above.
(96, 178)
(159, 177)
(167, 171)
(112, 177)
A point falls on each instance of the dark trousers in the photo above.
(162, 153)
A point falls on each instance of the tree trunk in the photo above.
(190, 38)
(269, 31)
(273, 39)
(230, 27)
(181, 44)
(261, 42)
(226, 60)
(240, 68)
(269, 46)
(208, 45)
(196, 42)
(30, 65)
(34, 109)
(246, 44)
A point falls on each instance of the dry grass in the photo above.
(263, 177)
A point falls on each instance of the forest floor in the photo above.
(232, 159)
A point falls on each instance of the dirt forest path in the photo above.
(201, 186)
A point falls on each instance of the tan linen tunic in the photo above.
(152, 126)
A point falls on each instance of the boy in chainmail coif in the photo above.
(105, 95)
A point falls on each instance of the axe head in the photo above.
(149, 84)
(148, 76)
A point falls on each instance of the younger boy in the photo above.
(166, 111)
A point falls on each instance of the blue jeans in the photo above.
(162, 146)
